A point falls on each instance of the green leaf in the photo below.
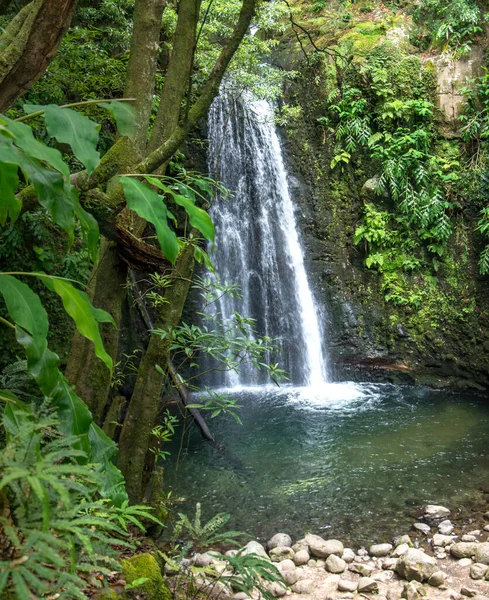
(150, 206)
(198, 218)
(9, 205)
(124, 115)
(77, 130)
(78, 306)
(24, 139)
(26, 310)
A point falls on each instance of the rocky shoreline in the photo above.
(431, 562)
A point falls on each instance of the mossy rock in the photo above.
(145, 565)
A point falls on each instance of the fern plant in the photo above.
(204, 535)
(57, 533)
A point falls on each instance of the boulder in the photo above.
(301, 558)
(416, 565)
(442, 540)
(300, 545)
(346, 585)
(463, 549)
(303, 586)
(478, 571)
(400, 550)
(437, 579)
(348, 555)
(279, 539)
(335, 564)
(323, 548)
(367, 584)
(433, 512)
(363, 570)
(413, 590)
(446, 527)
(202, 560)
(380, 550)
(422, 527)
(281, 553)
(254, 547)
(481, 553)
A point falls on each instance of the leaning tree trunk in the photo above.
(145, 401)
(29, 44)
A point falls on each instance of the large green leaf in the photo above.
(77, 130)
(198, 218)
(26, 310)
(24, 139)
(86, 318)
(9, 205)
(124, 115)
(150, 206)
(52, 191)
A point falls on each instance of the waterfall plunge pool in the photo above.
(346, 460)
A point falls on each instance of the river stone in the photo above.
(468, 538)
(335, 564)
(346, 585)
(286, 565)
(463, 549)
(380, 550)
(276, 589)
(400, 550)
(291, 576)
(446, 527)
(402, 539)
(367, 584)
(465, 591)
(433, 511)
(478, 571)
(363, 570)
(362, 552)
(442, 540)
(301, 557)
(392, 594)
(464, 562)
(389, 563)
(202, 560)
(303, 586)
(480, 597)
(240, 596)
(481, 554)
(279, 539)
(422, 527)
(281, 553)
(323, 548)
(413, 590)
(415, 564)
(486, 528)
(437, 579)
(254, 547)
(348, 555)
(300, 545)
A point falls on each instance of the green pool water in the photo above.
(347, 460)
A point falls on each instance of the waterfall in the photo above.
(257, 242)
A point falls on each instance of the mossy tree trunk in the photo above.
(29, 44)
(144, 406)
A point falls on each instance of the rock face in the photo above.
(416, 565)
(323, 548)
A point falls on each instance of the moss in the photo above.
(145, 565)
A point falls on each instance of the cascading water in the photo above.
(257, 243)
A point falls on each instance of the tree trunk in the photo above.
(29, 44)
(140, 83)
(178, 73)
(85, 371)
(145, 401)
